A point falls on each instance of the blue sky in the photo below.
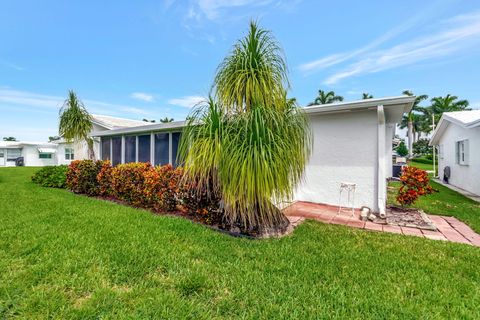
(151, 59)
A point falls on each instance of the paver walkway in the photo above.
(449, 228)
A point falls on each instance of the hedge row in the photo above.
(423, 160)
(141, 185)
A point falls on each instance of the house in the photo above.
(352, 143)
(59, 152)
(457, 138)
(33, 153)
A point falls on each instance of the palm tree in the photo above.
(408, 120)
(166, 120)
(249, 143)
(366, 95)
(9, 139)
(447, 104)
(76, 123)
(147, 120)
(325, 98)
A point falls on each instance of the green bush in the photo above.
(82, 176)
(402, 149)
(51, 176)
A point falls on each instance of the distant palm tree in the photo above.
(366, 95)
(166, 119)
(325, 98)
(409, 119)
(9, 139)
(76, 123)
(146, 120)
(447, 104)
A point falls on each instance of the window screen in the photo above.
(175, 141)
(106, 148)
(144, 148)
(161, 148)
(130, 148)
(116, 150)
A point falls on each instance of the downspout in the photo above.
(381, 178)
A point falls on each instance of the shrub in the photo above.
(402, 149)
(51, 176)
(161, 187)
(104, 179)
(128, 182)
(415, 183)
(421, 147)
(82, 176)
(201, 204)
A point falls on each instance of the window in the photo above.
(13, 154)
(144, 148)
(175, 142)
(116, 150)
(106, 148)
(69, 154)
(440, 151)
(130, 148)
(461, 148)
(162, 148)
(45, 156)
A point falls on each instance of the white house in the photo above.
(352, 143)
(33, 153)
(458, 139)
(59, 152)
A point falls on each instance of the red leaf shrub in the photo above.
(161, 187)
(82, 176)
(415, 183)
(104, 179)
(128, 182)
(139, 184)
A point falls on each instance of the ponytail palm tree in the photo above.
(76, 123)
(249, 143)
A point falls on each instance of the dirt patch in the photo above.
(406, 217)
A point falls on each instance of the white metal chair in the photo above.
(349, 187)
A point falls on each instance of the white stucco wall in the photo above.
(81, 148)
(60, 155)
(31, 157)
(466, 177)
(344, 150)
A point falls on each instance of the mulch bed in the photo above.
(407, 217)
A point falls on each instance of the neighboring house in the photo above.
(352, 143)
(59, 152)
(458, 139)
(33, 153)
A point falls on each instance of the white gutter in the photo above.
(381, 177)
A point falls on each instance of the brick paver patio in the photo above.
(449, 228)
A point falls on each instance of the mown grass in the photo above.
(68, 256)
(423, 166)
(445, 202)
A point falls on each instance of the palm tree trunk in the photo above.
(410, 138)
(91, 152)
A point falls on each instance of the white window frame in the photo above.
(69, 153)
(462, 152)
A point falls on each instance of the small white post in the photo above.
(433, 130)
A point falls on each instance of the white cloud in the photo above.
(459, 33)
(187, 101)
(142, 96)
(30, 99)
(211, 8)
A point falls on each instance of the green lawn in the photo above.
(423, 166)
(67, 256)
(445, 202)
